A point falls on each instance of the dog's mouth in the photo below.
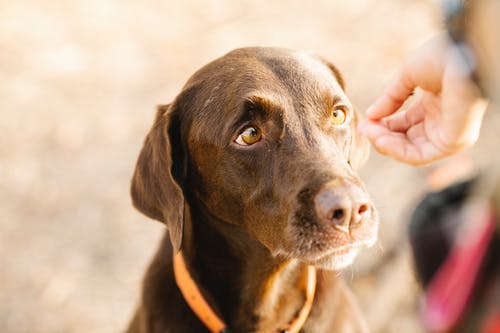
(331, 223)
(339, 257)
(324, 246)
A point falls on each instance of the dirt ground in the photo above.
(79, 81)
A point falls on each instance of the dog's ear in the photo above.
(155, 192)
(360, 146)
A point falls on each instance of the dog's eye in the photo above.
(249, 136)
(339, 115)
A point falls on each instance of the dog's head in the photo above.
(265, 140)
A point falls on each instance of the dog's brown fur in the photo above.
(249, 218)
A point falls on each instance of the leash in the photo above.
(211, 320)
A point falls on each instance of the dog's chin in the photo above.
(336, 260)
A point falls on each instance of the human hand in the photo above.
(445, 117)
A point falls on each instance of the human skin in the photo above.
(443, 118)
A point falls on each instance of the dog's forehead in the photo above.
(287, 77)
(317, 68)
(267, 68)
(300, 73)
(305, 70)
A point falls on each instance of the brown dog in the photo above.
(251, 168)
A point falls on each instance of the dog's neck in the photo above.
(249, 288)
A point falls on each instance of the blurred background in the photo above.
(79, 81)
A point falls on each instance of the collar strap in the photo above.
(211, 320)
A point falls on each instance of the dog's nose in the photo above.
(342, 206)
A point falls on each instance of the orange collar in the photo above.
(204, 312)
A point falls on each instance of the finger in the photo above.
(403, 120)
(417, 135)
(376, 131)
(424, 69)
(372, 129)
(393, 97)
(390, 143)
(416, 150)
(428, 151)
(401, 149)
(384, 140)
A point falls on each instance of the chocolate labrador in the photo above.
(252, 169)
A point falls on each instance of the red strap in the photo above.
(450, 289)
